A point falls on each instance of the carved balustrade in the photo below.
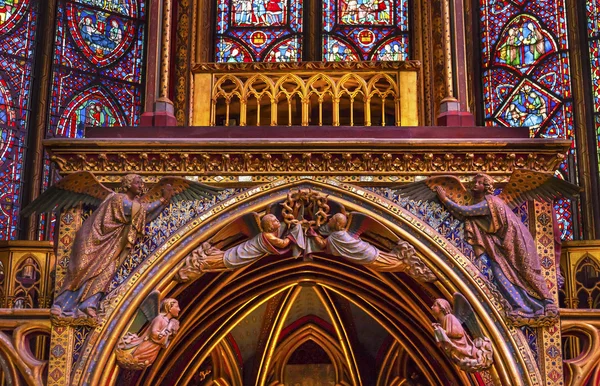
(24, 339)
(581, 331)
(310, 93)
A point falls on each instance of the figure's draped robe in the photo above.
(152, 340)
(100, 247)
(461, 343)
(265, 243)
(494, 230)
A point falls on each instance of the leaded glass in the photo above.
(365, 30)
(259, 30)
(593, 34)
(526, 75)
(18, 24)
(97, 67)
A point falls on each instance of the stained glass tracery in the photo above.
(365, 30)
(593, 35)
(526, 75)
(259, 30)
(18, 26)
(97, 67)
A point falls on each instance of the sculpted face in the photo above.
(337, 222)
(479, 186)
(174, 311)
(270, 223)
(136, 186)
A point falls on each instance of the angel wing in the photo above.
(464, 312)
(183, 189)
(76, 188)
(525, 184)
(360, 223)
(245, 226)
(425, 190)
(149, 309)
(336, 207)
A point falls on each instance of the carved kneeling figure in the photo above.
(138, 352)
(471, 355)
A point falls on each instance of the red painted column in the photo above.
(158, 109)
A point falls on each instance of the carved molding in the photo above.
(409, 65)
(279, 163)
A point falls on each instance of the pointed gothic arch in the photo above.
(215, 302)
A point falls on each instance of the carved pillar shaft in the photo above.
(453, 111)
(152, 54)
(447, 46)
(159, 112)
(165, 49)
(63, 338)
(549, 340)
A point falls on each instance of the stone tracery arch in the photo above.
(379, 295)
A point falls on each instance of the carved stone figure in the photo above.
(267, 237)
(305, 229)
(136, 352)
(107, 235)
(471, 355)
(341, 237)
(495, 233)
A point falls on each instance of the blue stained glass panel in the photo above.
(526, 75)
(259, 30)
(18, 26)
(593, 35)
(365, 30)
(97, 68)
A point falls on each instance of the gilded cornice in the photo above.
(409, 65)
(258, 160)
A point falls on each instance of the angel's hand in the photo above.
(436, 325)
(441, 192)
(167, 192)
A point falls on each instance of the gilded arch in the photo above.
(379, 295)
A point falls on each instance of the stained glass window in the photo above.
(365, 30)
(97, 67)
(526, 75)
(259, 30)
(18, 24)
(593, 32)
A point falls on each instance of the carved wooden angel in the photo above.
(493, 230)
(136, 352)
(471, 355)
(263, 236)
(340, 236)
(106, 237)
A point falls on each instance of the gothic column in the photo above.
(453, 109)
(159, 110)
